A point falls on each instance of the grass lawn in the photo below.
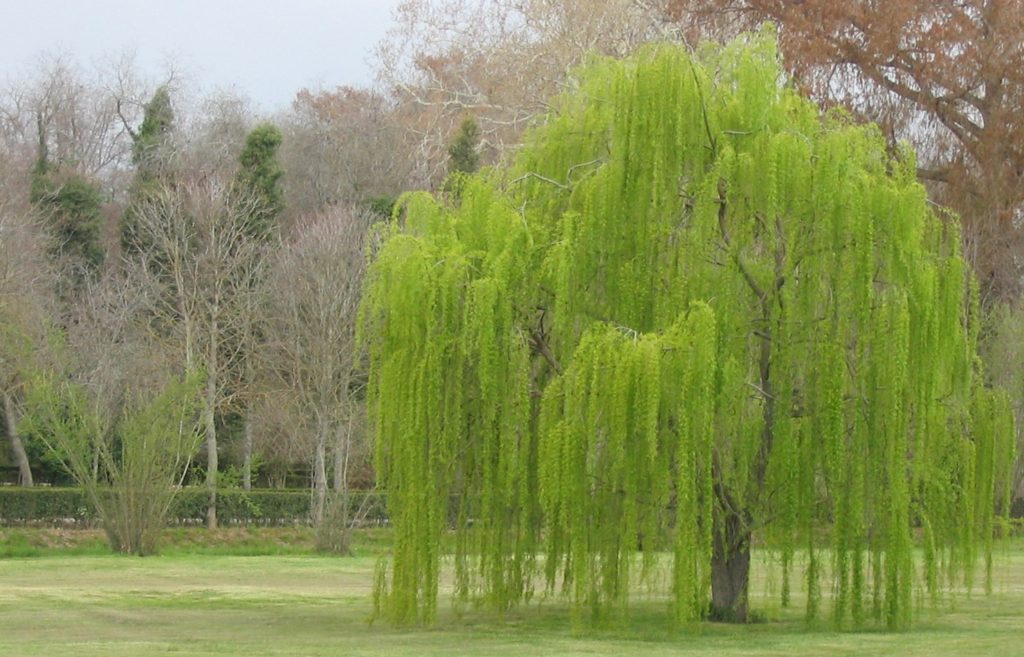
(298, 603)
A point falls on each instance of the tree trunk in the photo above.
(212, 371)
(247, 449)
(334, 533)
(211, 453)
(320, 474)
(341, 461)
(730, 556)
(730, 568)
(18, 449)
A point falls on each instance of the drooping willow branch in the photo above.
(749, 243)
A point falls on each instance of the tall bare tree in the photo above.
(198, 246)
(344, 146)
(312, 294)
(214, 133)
(26, 306)
(73, 111)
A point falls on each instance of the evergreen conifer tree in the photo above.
(151, 154)
(71, 205)
(463, 156)
(259, 175)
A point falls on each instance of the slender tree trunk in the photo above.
(211, 468)
(342, 512)
(730, 568)
(320, 471)
(211, 449)
(17, 448)
(334, 531)
(250, 375)
(247, 449)
(212, 371)
(340, 461)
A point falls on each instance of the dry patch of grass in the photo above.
(237, 541)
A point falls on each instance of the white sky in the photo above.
(264, 49)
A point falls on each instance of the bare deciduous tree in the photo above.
(198, 247)
(113, 406)
(26, 305)
(342, 147)
(500, 62)
(312, 295)
(214, 133)
(72, 112)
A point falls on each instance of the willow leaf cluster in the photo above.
(693, 300)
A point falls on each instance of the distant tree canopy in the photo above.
(695, 312)
(72, 205)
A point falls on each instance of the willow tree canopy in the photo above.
(695, 311)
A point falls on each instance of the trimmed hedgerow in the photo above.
(44, 505)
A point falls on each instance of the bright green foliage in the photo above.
(455, 411)
(259, 175)
(610, 473)
(736, 312)
(130, 466)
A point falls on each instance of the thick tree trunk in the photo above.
(730, 568)
(17, 448)
(730, 559)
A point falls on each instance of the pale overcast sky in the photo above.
(264, 49)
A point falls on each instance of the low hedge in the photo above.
(64, 506)
(44, 505)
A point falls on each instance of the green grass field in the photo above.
(294, 602)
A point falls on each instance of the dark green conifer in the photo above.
(463, 154)
(152, 156)
(259, 178)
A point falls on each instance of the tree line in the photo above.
(173, 296)
(156, 247)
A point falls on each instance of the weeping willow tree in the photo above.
(694, 314)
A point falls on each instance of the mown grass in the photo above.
(302, 603)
